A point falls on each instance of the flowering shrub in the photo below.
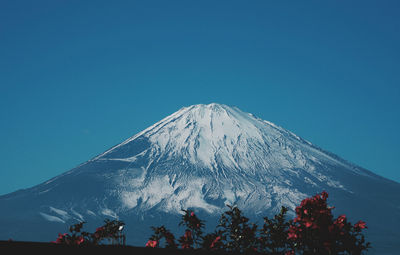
(160, 233)
(75, 238)
(314, 231)
(110, 232)
(213, 242)
(152, 243)
(194, 230)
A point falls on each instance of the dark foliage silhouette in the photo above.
(110, 233)
(314, 231)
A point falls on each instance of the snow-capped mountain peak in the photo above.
(225, 153)
(219, 136)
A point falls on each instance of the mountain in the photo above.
(202, 157)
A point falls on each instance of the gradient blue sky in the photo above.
(77, 77)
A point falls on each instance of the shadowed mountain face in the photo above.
(202, 157)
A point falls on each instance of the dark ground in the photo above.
(14, 247)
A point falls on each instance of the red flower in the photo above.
(99, 232)
(185, 246)
(308, 224)
(216, 240)
(292, 236)
(293, 232)
(192, 214)
(289, 253)
(187, 240)
(324, 195)
(341, 219)
(188, 234)
(80, 240)
(152, 243)
(99, 229)
(60, 238)
(360, 225)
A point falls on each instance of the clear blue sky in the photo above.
(77, 77)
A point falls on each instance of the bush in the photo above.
(109, 233)
(236, 233)
(274, 234)
(314, 231)
(160, 233)
(194, 230)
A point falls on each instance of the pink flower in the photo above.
(360, 225)
(340, 221)
(308, 224)
(341, 218)
(80, 240)
(324, 195)
(292, 233)
(192, 214)
(60, 238)
(99, 229)
(152, 243)
(216, 240)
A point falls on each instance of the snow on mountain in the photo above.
(201, 157)
(210, 152)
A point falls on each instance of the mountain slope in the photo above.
(202, 157)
